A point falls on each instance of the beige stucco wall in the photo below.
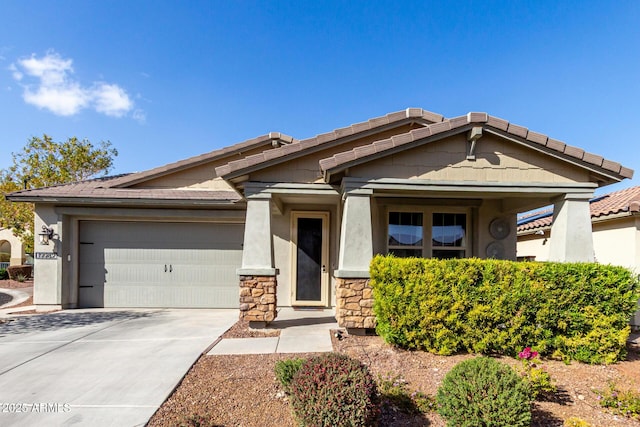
(496, 161)
(17, 250)
(536, 246)
(47, 273)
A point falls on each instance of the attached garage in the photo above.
(159, 264)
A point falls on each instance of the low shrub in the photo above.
(334, 390)
(575, 422)
(484, 392)
(626, 402)
(286, 369)
(19, 270)
(3, 274)
(572, 311)
(536, 377)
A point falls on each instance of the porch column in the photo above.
(356, 241)
(258, 275)
(354, 297)
(571, 234)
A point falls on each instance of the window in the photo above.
(428, 233)
(448, 235)
(405, 237)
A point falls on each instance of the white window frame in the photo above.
(427, 228)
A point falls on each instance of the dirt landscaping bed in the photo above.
(241, 390)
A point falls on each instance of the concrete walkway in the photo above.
(301, 331)
(99, 367)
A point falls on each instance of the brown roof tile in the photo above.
(517, 130)
(572, 151)
(556, 145)
(498, 123)
(101, 188)
(281, 152)
(475, 117)
(627, 200)
(202, 158)
(592, 158)
(536, 137)
(459, 121)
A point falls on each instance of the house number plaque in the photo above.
(46, 255)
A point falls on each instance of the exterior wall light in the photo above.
(45, 235)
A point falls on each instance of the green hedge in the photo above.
(573, 311)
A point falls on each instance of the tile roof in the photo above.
(102, 188)
(397, 118)
(345, 159)
(627, 200)
(238, 148)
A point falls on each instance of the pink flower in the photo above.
(527, 354)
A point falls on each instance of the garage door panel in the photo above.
(138, 264)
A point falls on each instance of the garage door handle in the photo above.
(165, 268)
(170, 268)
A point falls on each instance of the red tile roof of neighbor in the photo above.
(627, 200)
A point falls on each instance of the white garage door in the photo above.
(154, 264)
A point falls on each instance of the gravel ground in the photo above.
(14, 284)
(241, 390)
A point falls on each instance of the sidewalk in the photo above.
(301, 331)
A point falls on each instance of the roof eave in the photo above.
(101, 201)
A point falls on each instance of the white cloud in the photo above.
(56, 90)
(111, 100)
(140, 116)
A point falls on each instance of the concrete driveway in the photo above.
(99, 367)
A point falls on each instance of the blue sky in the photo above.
(166, 80)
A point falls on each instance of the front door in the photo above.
(310, 241)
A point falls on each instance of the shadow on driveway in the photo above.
(65, 320)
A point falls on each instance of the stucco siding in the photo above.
(48, 272)
(534, 246)
(16, 252)
(615, 242)
(496, 161)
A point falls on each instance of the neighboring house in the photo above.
(615, 222)
(296, 222)
(11, 249)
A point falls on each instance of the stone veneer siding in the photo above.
(258, 298)
(355, 304)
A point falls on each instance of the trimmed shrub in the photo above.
(573, 311)
(286, 369)
(3, 274)
(484, 392)
(19, 270)
(575, 422)
(334, 390)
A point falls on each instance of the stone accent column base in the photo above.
(354, 304)
(258, 299)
